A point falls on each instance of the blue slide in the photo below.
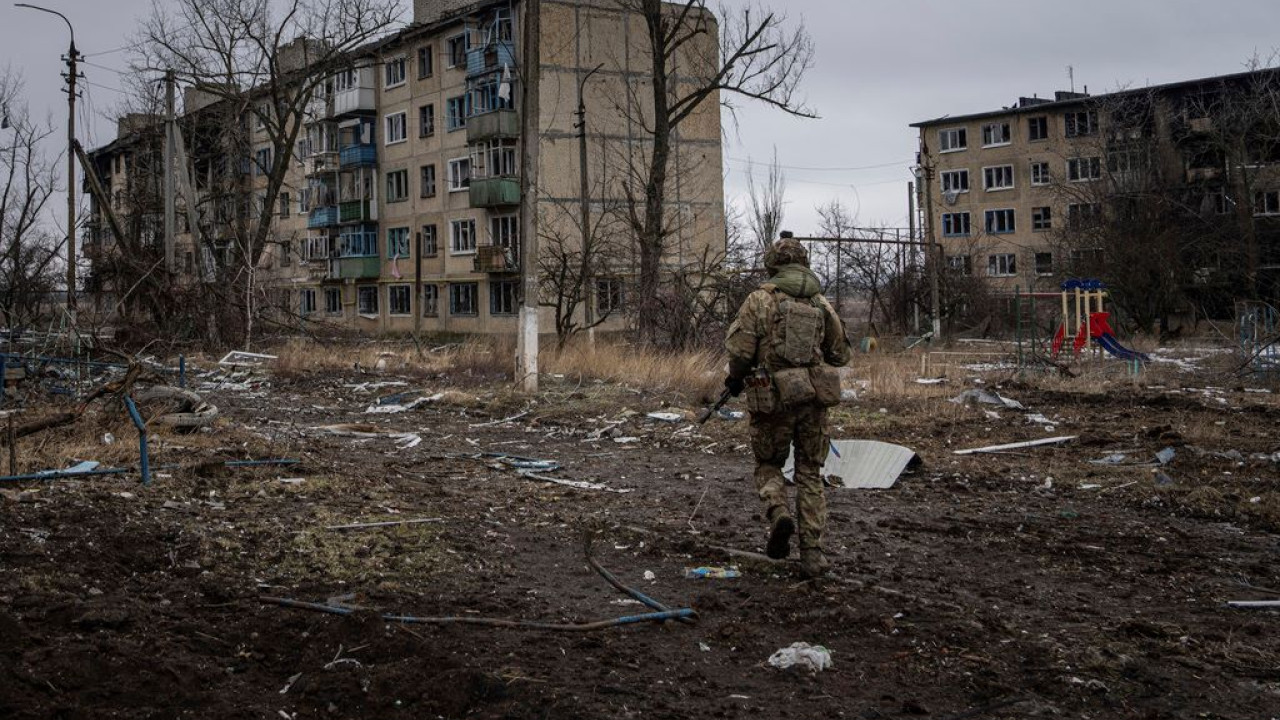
(1113, 346)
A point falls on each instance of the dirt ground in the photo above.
(1025, 584)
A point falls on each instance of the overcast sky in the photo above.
(880, 65)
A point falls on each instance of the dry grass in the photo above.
(695, 373)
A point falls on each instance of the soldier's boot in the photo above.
(781, 528)
(813, 562)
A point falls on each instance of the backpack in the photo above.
(797, 331)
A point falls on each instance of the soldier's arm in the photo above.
(743, 339)
(835, 346)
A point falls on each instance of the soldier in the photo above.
(784, 348)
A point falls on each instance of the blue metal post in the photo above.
(143, 460)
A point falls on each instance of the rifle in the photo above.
(706, 414)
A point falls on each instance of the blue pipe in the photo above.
(144, 456)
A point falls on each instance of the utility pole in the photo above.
(911, 235)
(170, 208)
(931, 259)
(527, 337)
(72, 59)
(589, 309)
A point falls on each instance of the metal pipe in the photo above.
(490, 622)
(57, 474)
(144, 458)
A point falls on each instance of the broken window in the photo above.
(398, 299)
(1038, 128)
(462, 298)
(1044, 263)
(430, 300)
(1080, 123)
(952, 139)
(956, 224)
(504, 297)
(1041, 219)
(333, 301)
(1040, 173)
(999, 177)
(996, 133)
(1002, 265)
(955, 181)
(367, 299)
(1084, 169)
(999, 222)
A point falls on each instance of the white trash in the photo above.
(813, 658)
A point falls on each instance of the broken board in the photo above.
(862, 464)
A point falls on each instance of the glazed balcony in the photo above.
(495, 259)
(491, 57)
(353, 211)
(362, 155)
(322, 217)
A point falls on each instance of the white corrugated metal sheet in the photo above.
(863, 464)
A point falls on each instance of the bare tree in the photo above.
(28, 178)
(573, 262)
(261, 62)
(766, 204)
(757, 58)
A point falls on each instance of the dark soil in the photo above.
(1031, 584)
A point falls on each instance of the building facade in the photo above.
(400, 208)
(1100, 185)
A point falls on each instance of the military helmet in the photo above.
(785, 251)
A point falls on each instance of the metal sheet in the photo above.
(862, 464)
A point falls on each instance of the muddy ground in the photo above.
(1027, 584)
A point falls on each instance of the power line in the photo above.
(748, 161)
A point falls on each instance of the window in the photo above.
(504, 297)
(427, 241)
(398, 242)
(1002, 265)
(494, 158)
(1038, 128)
(1266, 202)
(397, 129)
(952, 139)
(610, 296)
(427, 120)
(1080, 123)
(333, 301)
(306, 301)
(367, 299)
(955, 181)
(1040, 173)
(1216, 201)
(262, 161)
(426, 62)
(960, 264)
(1044, 263)
(999, 222)
(1125, 161)
(430, 300)
(317, 247)
(304, 200)
(956, 224)
(397, 185)
(286, 253)
(462, 236)
(504, 231)
(398, 299)
(1041, 219)
(999, 177)
(393, 73)
(1083, 169)
(462, 298)
(995, 134)
(459, 174)
(284, 204)
(456, 50)
(427, 181)
(456, 110)
(1084, 215)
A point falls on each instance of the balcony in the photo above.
(353, 211)
(495, 259)
(492, 125)
(354, 101)
(322, 217)
(490, 57)
(355, 268)
(494, 192)
(358, 155)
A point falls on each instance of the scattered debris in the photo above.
(814, 658)
(181, 407)
(1165, 456)
(238, 358)
(388, 523)
(712, 572)
(986, 398)
(931, 381)
(862, 464)
(665, 416)
(580, 484)
(384, 408)
(1018, 445)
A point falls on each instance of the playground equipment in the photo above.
(1092, 323)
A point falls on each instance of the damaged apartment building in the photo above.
(400, 208)
(1178, 181)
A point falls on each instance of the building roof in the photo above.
(1039, 105)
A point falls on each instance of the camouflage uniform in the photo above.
(773, 433)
